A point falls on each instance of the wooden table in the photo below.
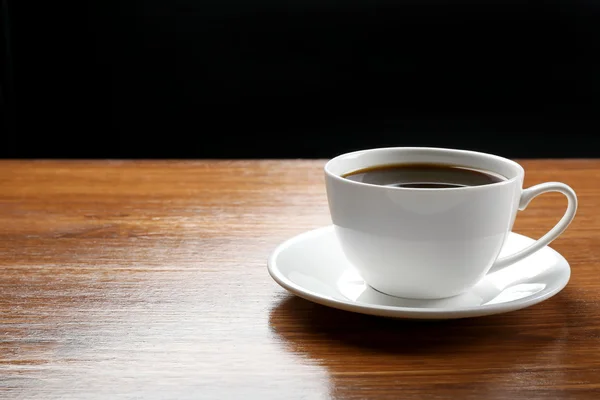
(148, 280)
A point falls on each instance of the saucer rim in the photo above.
(406, 312)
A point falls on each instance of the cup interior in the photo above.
(350, 162)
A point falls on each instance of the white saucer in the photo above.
(312, 266)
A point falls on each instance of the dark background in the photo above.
(298, 78)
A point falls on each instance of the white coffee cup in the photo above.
(431, 243)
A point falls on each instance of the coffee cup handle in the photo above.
(526, 196)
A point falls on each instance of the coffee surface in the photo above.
(426, 176)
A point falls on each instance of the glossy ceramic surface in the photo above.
(431, 243)
(313, 266)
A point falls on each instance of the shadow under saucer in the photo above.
(375, 350)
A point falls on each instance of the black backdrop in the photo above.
(298, 78)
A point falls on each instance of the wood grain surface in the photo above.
(148, 280)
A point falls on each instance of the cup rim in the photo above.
(508, 181)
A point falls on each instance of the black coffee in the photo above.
(427, 176)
